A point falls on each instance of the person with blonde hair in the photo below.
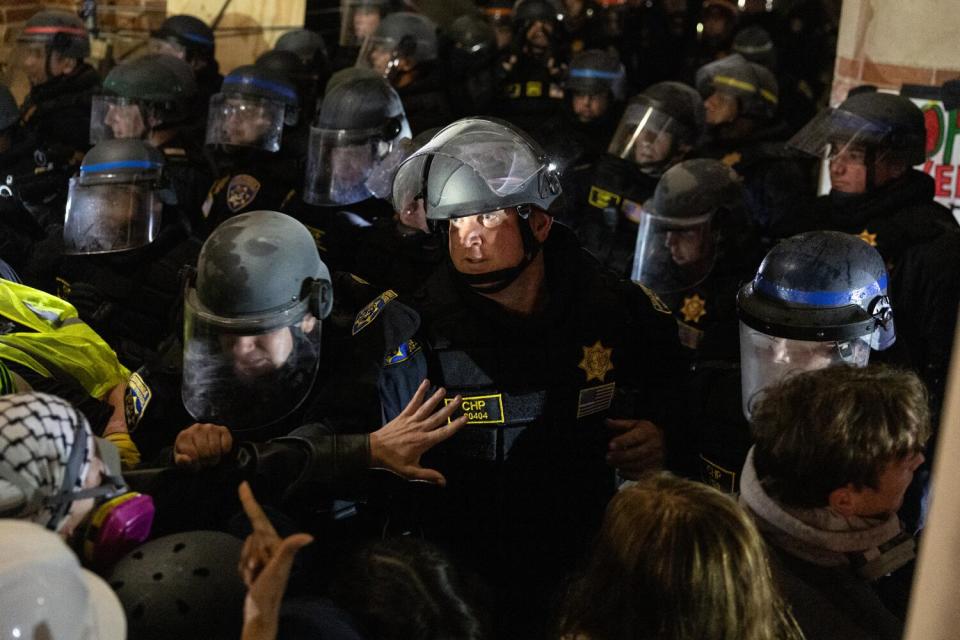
(676, 560)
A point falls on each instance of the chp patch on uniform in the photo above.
(595, 399)
(241, 191)
(601, 198)
(370, 312)
(717, 476)
(485, 409)
(135, 400)
(403, 353)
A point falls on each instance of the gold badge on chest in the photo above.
(597, 361)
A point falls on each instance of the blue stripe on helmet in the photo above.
(263, 84)
(594, 73)
(120, 164)
(196, 37)
(821, 298)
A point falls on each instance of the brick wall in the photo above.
(123, 23)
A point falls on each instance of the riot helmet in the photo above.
(252, 108)
(47, 34)
(252, 321)
(819, 299)
(45, 593)
(183, 36)
(9, 111)
(144, 94)
(499, 14)
(755, 45)
(480, 167)
(866, 126)
(183, 585)
(528, 12)
(752, 87)
(659, 127)
(356, 143)
(594, 72)
(402, 38)
(677, 234)
(307, 45)
(115, 203)
(474, 44)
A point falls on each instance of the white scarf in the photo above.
(873, 546)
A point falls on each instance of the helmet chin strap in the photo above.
(496, 281)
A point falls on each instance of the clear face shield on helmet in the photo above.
(358, 20)
(116, 117)
(673, 254)
(251, 371)
(645, 136)
(383, 54)
(835, 133)
(167, 47)
(109, 213)
(766, 359)
(245, 121)
(499, 172)
(345, 166)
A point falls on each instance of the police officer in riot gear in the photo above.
(471, 65)
(819, 299)
(691, 251)
(151, 98)
(191, 39)
(246, 124)
(872, 141)
(124, 246)
(359, 19)
(659, 128)
(532, 70)
(359, 138)
(542, 346)
(404, 50)
(741, 100)
(50, 52)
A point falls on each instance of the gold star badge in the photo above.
(596, 361)
(869, 238)
(694, 308)
(732, 159)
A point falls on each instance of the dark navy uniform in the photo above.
(527, 478)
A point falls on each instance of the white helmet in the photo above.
(44, 593)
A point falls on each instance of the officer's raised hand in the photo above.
(399, 444)
(201, 445)
(636, 447)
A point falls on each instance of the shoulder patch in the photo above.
(241, 191)
(655, 300)
(407, 350)
(370, 312)
(135, 400)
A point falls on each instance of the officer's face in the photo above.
(848, 169)
(485, 243)
(590, 106)
(721, 108)
(687, 246)
(33, 59)
(717, 23)
(126, 121)
(652, 146)
(538, 35)
(365, 22)
(245, 123)
(380, 59)
(159, 45)
(257, 355)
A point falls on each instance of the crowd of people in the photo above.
(516, 320)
